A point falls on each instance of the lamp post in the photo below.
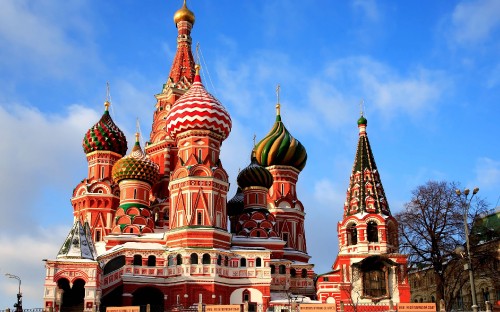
(466, 203)
(19, 304)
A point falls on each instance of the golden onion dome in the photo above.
(184, 14)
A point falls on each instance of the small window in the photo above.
(258, 262)
(199, 218)
(179, 259)
(372, 232)
(102, 172)
(194, 258)
(226, 261)
(352, 234)
(282, 269)
(135, 193)
(206, 259)
(273, 269)
(285, 238)
(219, 260)
(137, 260)
(199, 156)
(97, 235)
(170, 260)
(151, 261)
(243, 262)
(303, 273)
(293, 273)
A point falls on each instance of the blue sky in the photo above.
(428, 71)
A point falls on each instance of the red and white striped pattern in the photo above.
(198, 110)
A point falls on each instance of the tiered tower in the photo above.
(368, 268)
(161, 147)
(198, 187)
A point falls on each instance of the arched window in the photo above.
(170, 260)
(151, 261)
(178, 259)
(219, 260)
(137, 260)
(352, 234)
(258, 262)
(293, 273)
(226, 261)
(303, 273)
(273, 269)
(246, 296)
(243, 262)
(372, 232)
(205, 259)
(282, 269)
(194, 258)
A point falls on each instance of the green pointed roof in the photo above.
(365, 193)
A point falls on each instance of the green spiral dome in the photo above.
(137, 165)
(279, 147)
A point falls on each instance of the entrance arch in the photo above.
(149, 295)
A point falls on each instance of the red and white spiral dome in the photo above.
(197, 109)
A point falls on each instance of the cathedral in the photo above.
(157, 226)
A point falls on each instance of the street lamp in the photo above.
(466, 203)
(19, 304)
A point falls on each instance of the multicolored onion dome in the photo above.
(198, 110)
(137, 165)
(254, 175)
(235, 205)
(279, 147)
(184, 14)
(105, 136)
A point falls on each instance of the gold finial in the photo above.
(197, 67)
(184, 14)
(137, 137)
(107, 102)
(278, 100)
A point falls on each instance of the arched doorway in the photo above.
(149, 295)
(72, 297)
(112, 299)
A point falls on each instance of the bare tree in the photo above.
(431, 227)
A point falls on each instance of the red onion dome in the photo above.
(198, 110)
(105, 136)
(279, 147)
(137, 165)
(254, 175)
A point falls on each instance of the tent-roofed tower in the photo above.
(368, 268)
(161, 147)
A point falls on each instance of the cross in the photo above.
(361, 104)
(278, 93)
(254, 136)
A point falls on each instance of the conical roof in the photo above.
(78, 244)
(365, 193)
(279, 147)
(105, 136)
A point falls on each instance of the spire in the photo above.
(365, 193)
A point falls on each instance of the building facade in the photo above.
(155, 226)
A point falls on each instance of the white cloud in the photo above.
(474, 21)
(369, 9)
(487, 173)
(40, 152)
(42, 40)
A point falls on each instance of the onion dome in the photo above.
(235, 204)
(362, 121)
(198, 110)
(279, 147)
(254, 175)
(137, 165)
(184, 14)
(105, 136)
